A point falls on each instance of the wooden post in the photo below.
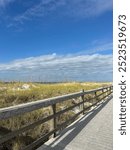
(95, 97)
(54, 120)
(82, 98)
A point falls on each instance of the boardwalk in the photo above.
(92, 131)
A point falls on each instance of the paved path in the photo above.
(92, 131)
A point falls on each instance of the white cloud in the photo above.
(39, 10)
(59, 68)
(98, 47)
(89, 8)
(74, 8)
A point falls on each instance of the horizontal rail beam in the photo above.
(13, 111)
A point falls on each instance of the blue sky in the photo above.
(56, 40)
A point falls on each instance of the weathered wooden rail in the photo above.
(6, 113)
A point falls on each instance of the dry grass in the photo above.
(13, 94)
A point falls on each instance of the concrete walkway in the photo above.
(93, 131)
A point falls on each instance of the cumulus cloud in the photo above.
(54, 67)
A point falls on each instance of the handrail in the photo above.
(12, 111)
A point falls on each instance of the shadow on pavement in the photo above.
(64, 138)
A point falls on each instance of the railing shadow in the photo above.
(75, 128)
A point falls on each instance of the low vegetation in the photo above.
(17, 93)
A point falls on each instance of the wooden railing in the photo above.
(6, 113)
